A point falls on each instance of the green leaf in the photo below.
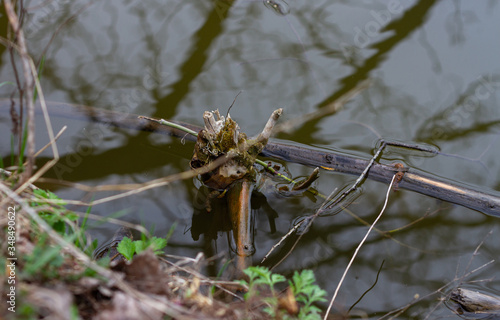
(309, 316)
(59, 226)
(251, 273)
(140, 246)
(262, 280)
(44, 194)
(314, 309)
(318, 294)
(306, 292)
(263, 276)
(275, 278)
(74, 314)
(157, 244)
(84, 221)
(127, 248)
(301, 298)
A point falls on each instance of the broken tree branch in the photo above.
(412, 179)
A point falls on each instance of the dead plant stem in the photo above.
(166, 307)
(51, 142)
(29, 86)
(325, 206)
(32, 178)
(135, 187)
(359, 247)
(264, 136)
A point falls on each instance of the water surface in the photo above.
(435, 79)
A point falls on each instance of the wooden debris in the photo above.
(222, 137)
(474, 198)
(475, 301)
(240, 211)
(304, 185)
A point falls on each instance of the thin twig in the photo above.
(476, 251)
(119, 222)
(206, 279)
(368, 290)
(51, 141)
(48, 124)
(134, 188)
(262, 163)
(170, 124)
(292, 230)
(326, 205)
(163, 306)
(50, 132)
(359, 247)
(17, 119)
(357, 183)
(28, 78)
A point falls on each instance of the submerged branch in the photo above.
(412, 179)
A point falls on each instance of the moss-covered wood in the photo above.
(221, 136)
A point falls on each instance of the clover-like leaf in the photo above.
(127, 248)
(157, 244)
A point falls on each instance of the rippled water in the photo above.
(434, 79)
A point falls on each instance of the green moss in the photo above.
(228, 139)
(226, 136)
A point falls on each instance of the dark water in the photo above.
(435, 79)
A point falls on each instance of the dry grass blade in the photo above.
(29, 85)
(327, 205)
(292, 230)
(166, 307)
(204, 279)
(58, 135)
(135, 187)
(357, 249)
(118, 222)
(31, 78)
(50, 131)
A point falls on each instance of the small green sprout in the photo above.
(306, 292)
(57, 217)
(302, 285)
(129, 248)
